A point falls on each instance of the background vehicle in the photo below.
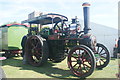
(61, 40)
(10, 38)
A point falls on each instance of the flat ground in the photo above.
(14, 68)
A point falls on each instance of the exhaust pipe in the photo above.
(86, 17)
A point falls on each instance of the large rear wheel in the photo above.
(81, 61)
(36, 50)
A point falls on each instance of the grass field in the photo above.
(14, 68)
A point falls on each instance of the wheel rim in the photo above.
(34, 50)
(103, 57)
(80, 62)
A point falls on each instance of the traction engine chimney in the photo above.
(86, 17)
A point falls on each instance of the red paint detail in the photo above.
(18, 51)
(55, 31)
(85, 36)
(85, 4)
(16, 24)
(2, 58)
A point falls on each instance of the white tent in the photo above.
(104, 34)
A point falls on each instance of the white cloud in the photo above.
(1, 23)
(19, 9)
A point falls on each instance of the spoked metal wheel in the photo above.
(102, 56)
(81, 61)
(36, 51)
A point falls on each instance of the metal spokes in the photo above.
(80, 61)
(102, 56)
(35, 49)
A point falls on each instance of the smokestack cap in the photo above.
(86, 4)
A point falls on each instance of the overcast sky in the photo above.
(103, 12)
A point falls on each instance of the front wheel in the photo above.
(103, 57)
(81, 61)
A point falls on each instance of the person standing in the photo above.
(118, 45)
(2, 73)
(118, 55)
(24, 39)
(23, 42)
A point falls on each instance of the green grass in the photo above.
(15, 69)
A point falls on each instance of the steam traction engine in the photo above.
(61, 40)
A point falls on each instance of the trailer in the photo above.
(10, 38)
